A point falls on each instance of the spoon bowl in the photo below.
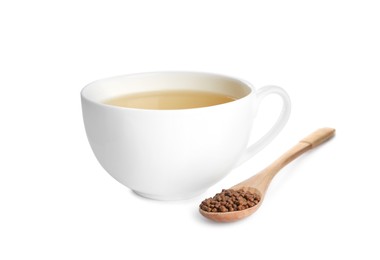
(234, 215)
(259, 183)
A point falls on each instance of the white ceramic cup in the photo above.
(174, 154)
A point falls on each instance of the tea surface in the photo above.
(169, 99)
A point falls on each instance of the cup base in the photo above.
(169, 197)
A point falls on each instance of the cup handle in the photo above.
(276, 128)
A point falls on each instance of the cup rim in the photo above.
(247, 85)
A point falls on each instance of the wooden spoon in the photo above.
(259, 183)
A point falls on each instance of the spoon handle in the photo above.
(319, 136)
(261, 180)
(311, 141)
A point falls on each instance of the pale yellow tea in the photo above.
(170, 99)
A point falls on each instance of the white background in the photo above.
(56, 202)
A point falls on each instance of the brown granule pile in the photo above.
(230, 200)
